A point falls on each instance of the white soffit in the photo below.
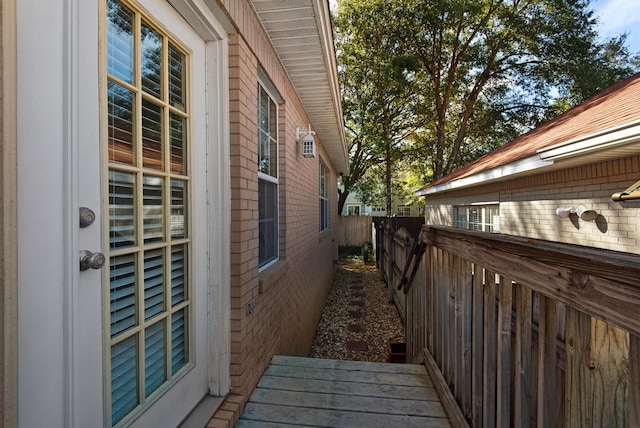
(509, 170)
(301, 33)
(617, 142)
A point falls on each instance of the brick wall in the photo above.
(528, 205)
(289, 296)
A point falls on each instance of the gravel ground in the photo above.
(357, 289)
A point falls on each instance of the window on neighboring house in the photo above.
(484, 217)
(404, 211)
(378, 209)
(353, 209)
(324, 201)
(267, 177)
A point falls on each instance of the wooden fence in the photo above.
(355, 230)
(520, 332)
(394, 239)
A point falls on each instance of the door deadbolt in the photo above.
(87, 216)
(89, 260)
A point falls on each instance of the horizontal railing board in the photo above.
(606, 287)
(529, 364)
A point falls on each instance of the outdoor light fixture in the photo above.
(305, 137)
(564, 212)
(583, 212)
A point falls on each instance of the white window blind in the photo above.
(148, 302)
(478, 217)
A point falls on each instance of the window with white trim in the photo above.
(324, 201)
(148, 303)
(353, 209)
(267, 177)
(404, 211)
(484, 217)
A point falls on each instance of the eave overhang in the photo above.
(617, 142)
(301, 33)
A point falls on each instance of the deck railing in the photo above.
(520, 332)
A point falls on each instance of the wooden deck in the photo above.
(312, 392)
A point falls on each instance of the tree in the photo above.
(374, 92)
(488, 65)
(445, 81)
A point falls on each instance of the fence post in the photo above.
(391, 253)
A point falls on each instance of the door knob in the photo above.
(87, 217)
(89, 260)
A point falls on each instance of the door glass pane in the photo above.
(179, 349)
(119, 41)
(153, 219)
(124, 379)
(178, 215)
(147, 301)
(120, 124)
(153, 283)
(150, 51)
(178, 274)
(154, 357)
(122, 282)
(151, 135)
(177, 136)
(176, 78)
(121, 209)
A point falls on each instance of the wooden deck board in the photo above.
(348, 388)
(297, 391)
(346, 402)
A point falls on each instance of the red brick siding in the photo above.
(289, 296)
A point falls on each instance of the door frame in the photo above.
(8, 225)
(213, 27)
(72, 78)
(208, 26)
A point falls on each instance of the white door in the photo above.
(127, 342)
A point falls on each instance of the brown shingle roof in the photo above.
(616, 105)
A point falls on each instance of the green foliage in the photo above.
(442, 82)
(366, 252)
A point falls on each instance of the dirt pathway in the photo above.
(357, 322)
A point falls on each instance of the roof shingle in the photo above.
(617, 105)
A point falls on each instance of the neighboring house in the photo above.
(163, 235)
(353, 206)
(535, 185)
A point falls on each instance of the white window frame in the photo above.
(487, 216)
(350, 206)
(323, 199)
(262, 85)
(165, 175)
(404, 210)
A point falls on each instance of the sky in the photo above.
(619, 16)
(615, 16)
